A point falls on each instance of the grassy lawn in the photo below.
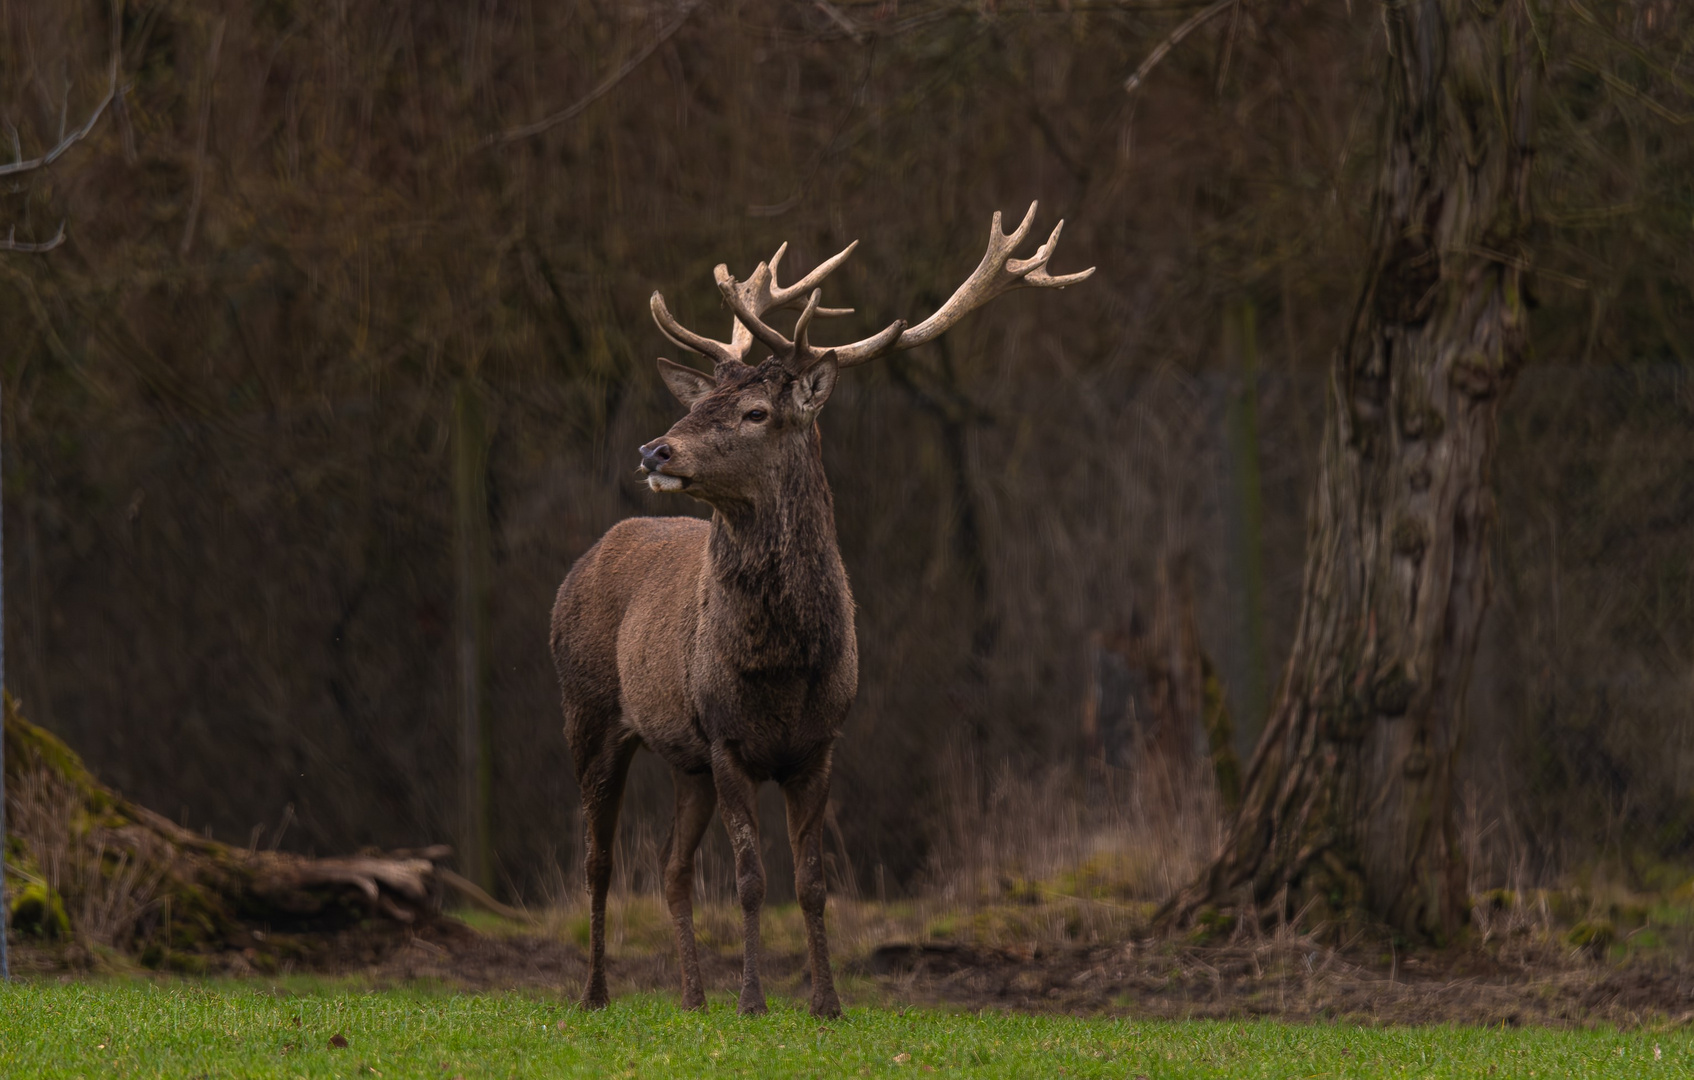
(138, 1029)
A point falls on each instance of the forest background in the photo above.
(346, 354)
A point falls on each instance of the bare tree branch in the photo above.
(547, 123)
(1196, 21)
(839, 18)
(12, 243)
(67, 141)
(876, 26)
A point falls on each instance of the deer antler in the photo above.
(997, 273)
(754, 297)
(797, 354)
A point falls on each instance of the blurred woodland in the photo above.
(347, 352)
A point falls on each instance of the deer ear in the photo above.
(812, 387)
(687, 384)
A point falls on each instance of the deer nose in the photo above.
(655, 454)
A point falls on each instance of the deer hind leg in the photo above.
(807, 796)
(738, 798)
(696, 797)
(601, 777)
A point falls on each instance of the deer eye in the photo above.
(757, 416)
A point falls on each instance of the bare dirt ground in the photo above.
(1286, 976)
(1289, 980)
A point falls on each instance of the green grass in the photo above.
(138, 1029)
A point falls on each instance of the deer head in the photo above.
(745, 419)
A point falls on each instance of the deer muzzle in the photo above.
(654, 457)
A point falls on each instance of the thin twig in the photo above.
(1518, 262)
(975, 10)
(212, 55)
(76, 136)
(11, 243)
(1194, 23)
(839, 18)
(473, 892)
(547, 123)
(126, 128)
(1228, 48)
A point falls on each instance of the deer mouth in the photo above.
(666, 482)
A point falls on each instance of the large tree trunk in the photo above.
(1348, 801)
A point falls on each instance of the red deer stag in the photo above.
(727, 647)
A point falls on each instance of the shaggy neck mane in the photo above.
(776, 562)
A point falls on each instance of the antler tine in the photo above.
(878, 344)
(679, 334)
(1033, 270)
(784, 296)
(742, 299)
(750, 300)
(760, 293)
(997, 273)
(805, 319)
(1018, 234)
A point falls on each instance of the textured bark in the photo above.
(1348, 803)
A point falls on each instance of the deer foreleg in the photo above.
(738, 798)
(695, 799)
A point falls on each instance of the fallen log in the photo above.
(87, 867)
